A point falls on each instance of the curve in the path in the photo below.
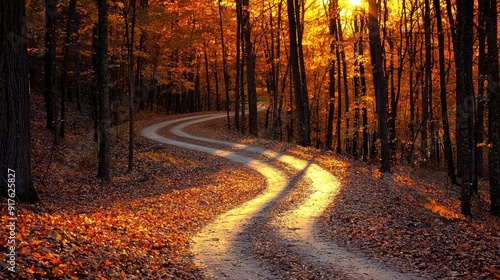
(219, 247)
(298, 227)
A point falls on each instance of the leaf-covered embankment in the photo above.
(136, 226)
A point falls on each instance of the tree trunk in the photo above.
(207, 76)
(339, 94)
(331, 105)
(494, 104)
(427, 85)
(224, 64)
(16, 181)
(103, 91)
(130, 33)
(402, 50)
(298, 74)
(95, 88)
(331, 88)
(444, 104)
(50, 56)
(412, 47)
(363, 88)
(250, 62)
(238, 78)
(380, 85)
(346, 90)
(78, 62)
(480, 100)
(65, 65)
(359, 85)
(465, 99)
(216, 77)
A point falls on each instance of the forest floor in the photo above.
(141, 224)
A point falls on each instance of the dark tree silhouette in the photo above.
(298, 73)
(465, 98)
(50, 56)
(448, 152)
(380, 85)
(15, 152)
(491, 25)
(250, 73)
(103, 91)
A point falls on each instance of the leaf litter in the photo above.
(139, 224)
(410, 218)
(136, 226)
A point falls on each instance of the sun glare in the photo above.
(354, 3)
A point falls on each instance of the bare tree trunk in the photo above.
(346, 90)
(65, 65)
(272, 53)
(465, 100)
(238, 78)
(141, 60)
(250, 62)
(380, 85)
(78, 46)
(16, 181)
(95, 88)
(444, 104)
(358, 53)
(402, 50)
(427, 85)
(331, 106)
(103, 90)
(207, 76)
(412, 49)
(494, 104)
(216, 77)
(331, 89)
(480, 100)
(298, 74)
(224, 64)
(130, 33)
(50, 56)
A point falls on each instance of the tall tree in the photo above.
(250, 63)
(345, 86)
(70, 24)
(491, 25)
(427, 85)
(50, 57)
(239, 69)
(207, 74)
(332, 14)
(298, 73)
(15, 152)
(103, 90)
(358, 54)
(272, 39)
(224, 62)
(448, 152)
(380, 84)
(141, 61)
(129, 15)
(480, 100)
(465, 98)
(402, 51)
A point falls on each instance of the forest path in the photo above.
(224, 248)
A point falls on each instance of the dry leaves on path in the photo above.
(137, 226)
(410, 218)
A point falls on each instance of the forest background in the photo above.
(397, 82)
(394, 83)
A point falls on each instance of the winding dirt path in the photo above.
(222, 247)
